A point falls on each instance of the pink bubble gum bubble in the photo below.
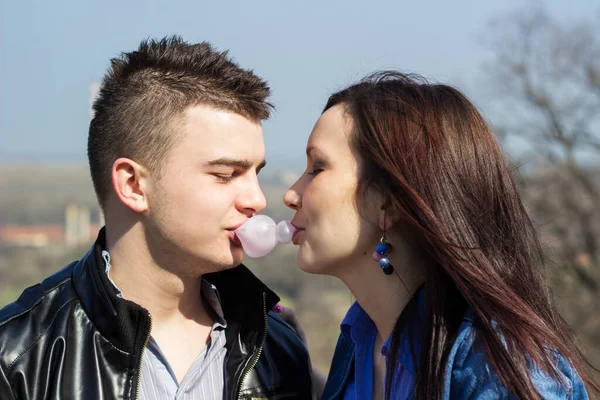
(285, 231)
(260, 235)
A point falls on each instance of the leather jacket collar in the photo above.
(244, 298)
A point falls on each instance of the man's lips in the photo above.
(234, 227)
(232, 236)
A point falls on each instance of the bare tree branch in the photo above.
(549, 77)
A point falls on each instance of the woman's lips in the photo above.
(296, 233)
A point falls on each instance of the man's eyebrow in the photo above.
(261, 166)
(232, 162)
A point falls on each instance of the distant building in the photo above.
(32, 236)
(77, 230)
(77, 225)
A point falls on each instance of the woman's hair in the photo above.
(446, 177)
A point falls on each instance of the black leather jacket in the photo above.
(71, 337)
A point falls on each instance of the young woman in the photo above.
(408, 199)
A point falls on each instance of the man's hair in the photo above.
(145, 92)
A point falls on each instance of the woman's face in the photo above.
(332, 235)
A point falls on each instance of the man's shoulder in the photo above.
(277, 325)
(282, 338)
(30, 316)
(285, 358)
(34, 295)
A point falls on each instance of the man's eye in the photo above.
(315, 171)
(224, 178)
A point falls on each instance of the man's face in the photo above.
(208, 188)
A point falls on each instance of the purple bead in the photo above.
(376, 256)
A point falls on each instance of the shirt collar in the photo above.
(209, 293)
(357, 326)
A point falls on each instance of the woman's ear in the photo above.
(388, 216)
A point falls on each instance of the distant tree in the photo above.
(545, 77)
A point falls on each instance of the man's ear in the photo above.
(130, 183)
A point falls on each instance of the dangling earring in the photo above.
(380, 255)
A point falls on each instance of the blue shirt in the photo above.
(358, 328)
(468, 374)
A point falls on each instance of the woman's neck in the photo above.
(382, 297)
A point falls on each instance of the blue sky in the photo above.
(52, 51)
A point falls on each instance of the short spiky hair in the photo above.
(144, 92)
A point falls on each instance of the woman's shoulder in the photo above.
(469, 373)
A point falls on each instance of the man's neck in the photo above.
(171, 298)
(181, 320)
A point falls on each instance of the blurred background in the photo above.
(533, 68)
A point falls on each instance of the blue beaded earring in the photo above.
(380, 255)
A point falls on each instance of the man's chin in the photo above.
(237, 261)
(229, 262)
(223, 265)
(237, 254)
(229, 258)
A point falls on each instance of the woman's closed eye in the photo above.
(317, 168)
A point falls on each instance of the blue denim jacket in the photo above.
(468, 373)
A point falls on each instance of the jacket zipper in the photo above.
(139, 367)
(259, 352)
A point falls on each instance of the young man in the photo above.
(160, 307)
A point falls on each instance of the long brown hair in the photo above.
(429, 149)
